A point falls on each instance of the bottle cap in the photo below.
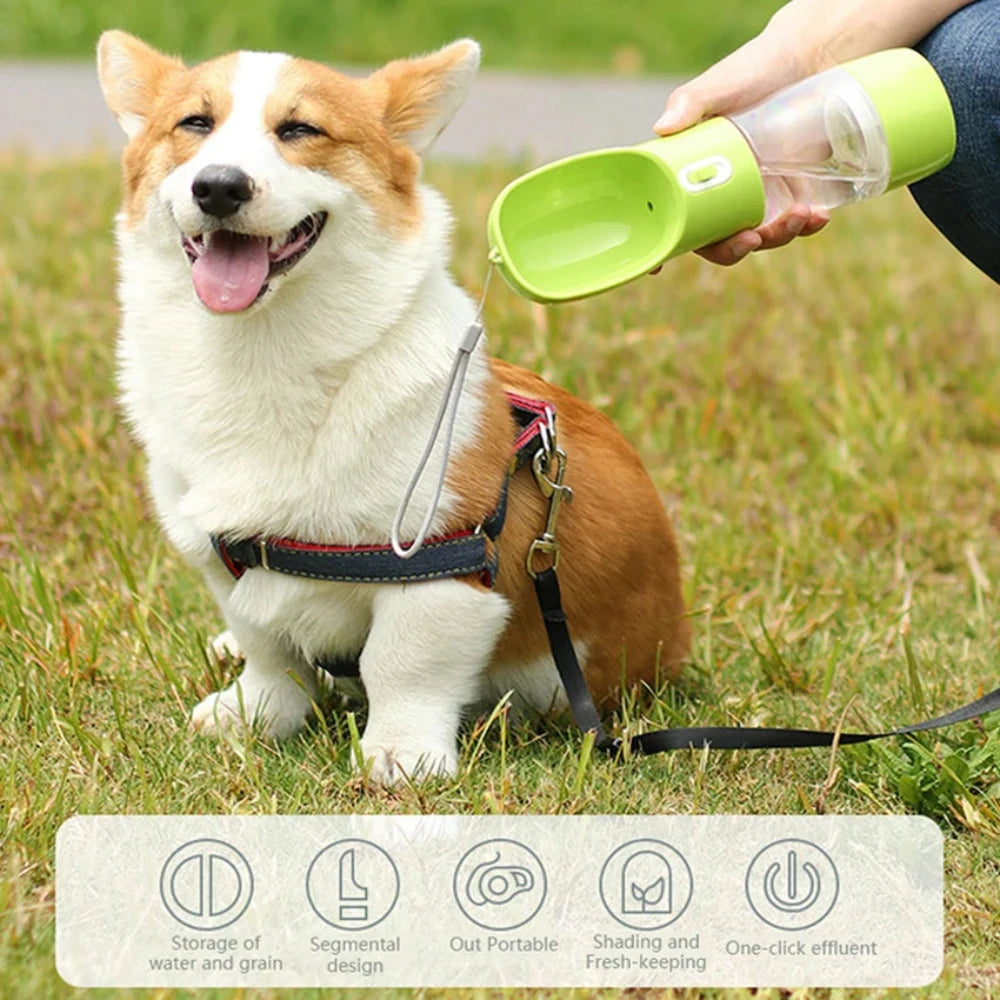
(915, 112)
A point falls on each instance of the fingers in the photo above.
(818, 218)
(798, 220)
(681, 111)
(733, 250)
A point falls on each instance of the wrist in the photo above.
(825, 33)
(808, 38)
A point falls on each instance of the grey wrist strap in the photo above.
(446, 414)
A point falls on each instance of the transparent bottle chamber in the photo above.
(819, 142)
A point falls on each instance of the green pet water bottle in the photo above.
(591, 222)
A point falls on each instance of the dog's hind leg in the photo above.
(276, 689)
(423, 662)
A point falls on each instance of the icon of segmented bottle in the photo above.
(352, 884)
(792, 884)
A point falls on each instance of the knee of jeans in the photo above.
(965, 51)
(961, 200)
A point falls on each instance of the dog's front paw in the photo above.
(280, 712)
(225, 647)
(390, 765)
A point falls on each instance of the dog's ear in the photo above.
(131, 75)
(421, 95)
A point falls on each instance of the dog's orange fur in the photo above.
(619, 567)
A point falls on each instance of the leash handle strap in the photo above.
(446, 416)
(735, 738)
(696, 737)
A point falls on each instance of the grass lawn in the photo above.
(823, 422)
(574, 35)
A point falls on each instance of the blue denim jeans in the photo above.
(963, 200)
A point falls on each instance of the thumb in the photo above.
(682, 110)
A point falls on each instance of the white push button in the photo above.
(707, 173)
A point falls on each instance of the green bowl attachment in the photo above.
(592, 222)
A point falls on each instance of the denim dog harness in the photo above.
(461, 553)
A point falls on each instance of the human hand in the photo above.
(745, 77)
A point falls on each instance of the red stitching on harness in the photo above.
(532, 430)
(291, 543)
(526, 403)
(529, 433)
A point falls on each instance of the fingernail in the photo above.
(665, 122)
(794, 226)
(672, 117)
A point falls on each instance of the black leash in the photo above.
(549, 467)
(582, 705)
(696, 737)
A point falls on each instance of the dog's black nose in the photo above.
(220, 191)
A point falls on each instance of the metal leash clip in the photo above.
(549, 467)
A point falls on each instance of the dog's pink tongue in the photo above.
(229, 275)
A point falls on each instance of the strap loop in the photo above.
(446, 415)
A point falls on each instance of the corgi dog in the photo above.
(288, 325)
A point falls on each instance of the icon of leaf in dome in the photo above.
(649, 896)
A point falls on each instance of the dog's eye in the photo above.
(199, 124)
(291, 130)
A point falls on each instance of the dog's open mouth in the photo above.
(231, 270)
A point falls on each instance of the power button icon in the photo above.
(792, 884)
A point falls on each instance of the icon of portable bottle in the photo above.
(591, 222)
(493, 882)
